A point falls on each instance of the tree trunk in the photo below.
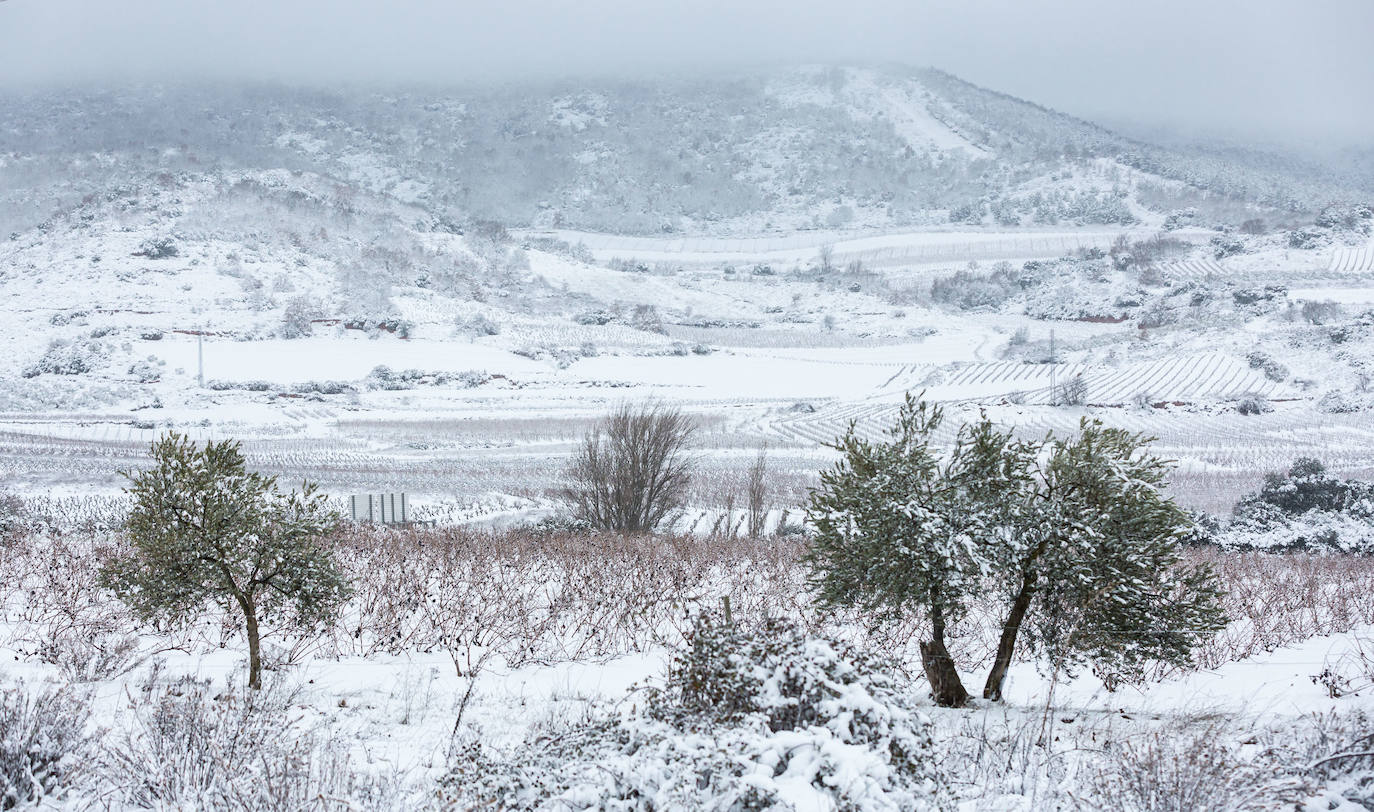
(1007, 644)
(945, 685)
(250, 624)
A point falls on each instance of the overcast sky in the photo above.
(1259, 69)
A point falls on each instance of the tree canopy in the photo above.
(204, 530)
(1073, 539)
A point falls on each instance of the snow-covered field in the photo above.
(376, 709)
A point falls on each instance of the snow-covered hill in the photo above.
(780, 150)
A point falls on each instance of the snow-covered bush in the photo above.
(969, 290)
(1223, 247)
(1305, 509)
(299, 316)
(248, 386)
(1191, 764)
(1321, 312)
(1306, 239)
(1272, 369)
(1356, 217)
(766, 718)
(384, 377)
(195, 747)
(67, 358)
(41, 743)
(1255, 296)
(90, 654)
(645, 317)
(1253, 404)
(1337, 402)
(157, 248)
(1180, 218)
(1072, 392)
(324, 388)
(478, 326)
(594, 317)
(11, 513)
(148, 370)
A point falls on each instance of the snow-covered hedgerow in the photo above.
(1316, 530)
(767, 718)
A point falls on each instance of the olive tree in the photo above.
(205, 531)
(632, 469)
(1071, 541)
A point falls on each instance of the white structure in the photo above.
(384, 508)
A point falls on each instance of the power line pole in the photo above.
(1054, 396)
(200, 359)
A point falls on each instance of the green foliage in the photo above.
(1074, 534)
(888, 526)
(1116, 593)
(205, 531)
(1306, 487)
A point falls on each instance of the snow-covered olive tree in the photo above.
(206, 531)
(1072, 538)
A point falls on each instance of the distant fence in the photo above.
(383, 508)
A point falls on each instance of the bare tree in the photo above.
(825, 258)
(632, 469)
(757, 492)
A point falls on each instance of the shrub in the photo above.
(67, 358)
(1253, 404)
(147, 371)
(594, 318)
(632, 469)
(645, 317)
(196, 748)
(1306, 487)
(42, 740)
(1321, 312)
(297, 320)
(748, 719)
(479, 325)
(1272, 369)
(157, 248)
(1337, 402)
(1305, 509)
(249, 386)
(12, 513)
(1223, 247)
(1305, 239)
(324, 388)
(969, 290)
(1072, 392)
(1183, 765)
(1250, 296)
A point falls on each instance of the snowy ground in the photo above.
(1296, 661)
(763, 358)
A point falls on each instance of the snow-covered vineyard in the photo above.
(808, 438)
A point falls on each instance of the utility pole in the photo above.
(200, 359)
(1054, 396)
